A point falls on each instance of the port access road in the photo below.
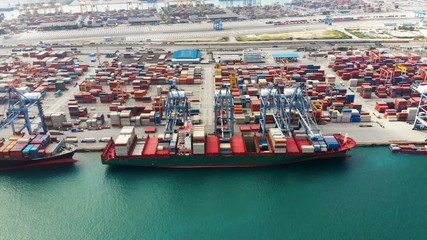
(175, 32)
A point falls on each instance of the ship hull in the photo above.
(202, 161)
(60, 158)
(410, 152)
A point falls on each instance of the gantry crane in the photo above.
(272, 101)
(291, 104)
(374, 56)
(420, 122)
(19, 105)
(402, 68)
(422, 71)
(299, 104)
(224, 112)
(176, 109)
(386, 74)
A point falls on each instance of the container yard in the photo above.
(271, 11)
(343, 6)
(385, 79)
(114, 18)
(180, 14)
(45, 22)
(45, 17)
(103, 87)
(356, 87)
(108, 107)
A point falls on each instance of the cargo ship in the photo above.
(284, 131)
(35, 150)
(408, 148)
(190, 147)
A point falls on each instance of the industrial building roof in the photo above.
(58, 24)
(344, 11)
(286, 55)
(144, 19)
(222, 16)
(228, 14)
(187, 54)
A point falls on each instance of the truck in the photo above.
(58, 93)
(108, 39)
(88, 140)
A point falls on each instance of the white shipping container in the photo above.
(307, 149)
(127, 131)
(198, 148)
(365, 118)
(392, 118)
(187, 142)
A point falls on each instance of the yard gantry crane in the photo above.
(272, 101)
(224, 112)
(422, 71)
(176, 109)
(21, 107)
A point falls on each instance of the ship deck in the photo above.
(293, 149)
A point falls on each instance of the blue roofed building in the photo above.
(343, 11)
(291, 57)
(187, 56)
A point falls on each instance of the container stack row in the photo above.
(324, 95)
(76, 111)
(96, 121)
(375, 74)
(199, 140)
(124, 143)
(49, 74)
(278, 141)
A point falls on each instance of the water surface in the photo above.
(372, 195)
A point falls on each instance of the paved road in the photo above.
(196, 30)
(208, 96)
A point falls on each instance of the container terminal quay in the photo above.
(377, 128)
(369, 85)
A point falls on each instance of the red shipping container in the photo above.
(212, 145)
(238, 145)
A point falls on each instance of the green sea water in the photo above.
(372, 195)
